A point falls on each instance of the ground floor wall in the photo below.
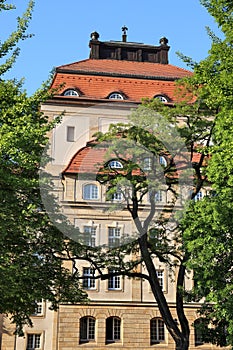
(134, 328)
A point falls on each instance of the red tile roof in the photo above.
(98, 78)
(128, 68)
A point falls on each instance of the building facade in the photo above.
(92, 94)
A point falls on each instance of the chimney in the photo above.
(124, 35)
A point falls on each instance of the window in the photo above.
(114, 234)
(147, 163)
(70, 133)
(198, 196)
(159, 196)
(160, 275)
(162, 161)
(161, 98)
(198, 333)
(113, 329)
(115, 164)
(90, 235)
(157, 333)
(33, 341)
(71, 92)
(87, 329)
(114, 282)
(39, 310)
(90, 191)
(88, 280)
(115, 96)
(117, 196)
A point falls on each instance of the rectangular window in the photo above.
(160, 275)
(159, 196)
(39, 310)
(88, 280)
(90, 235)
(33, 341)
(114, 234)
(114, 282)
(70, 133)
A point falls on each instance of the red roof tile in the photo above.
(121, 67)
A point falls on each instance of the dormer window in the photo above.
(71, 92)
(115, 164)
(162, 98)
(116, 96)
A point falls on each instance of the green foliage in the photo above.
(8, 48)
(32, 250)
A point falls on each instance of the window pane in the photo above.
(90, 235)
(70, 134)
(87, 328)
(88, 280)
(33, 341)
(113, 329)
(114, 234)
(157, 333)
(90, 192)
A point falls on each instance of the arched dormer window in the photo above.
(116, 96)
(115, 164)
(161, 98)
(71, 92)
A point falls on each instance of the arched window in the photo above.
(162, 161)
(113, 329)
(162, 98)
(87, 329)
(115, 164)
(71, 92)
(116, 96)
(198, 332)
(157, 331)
(90, 191)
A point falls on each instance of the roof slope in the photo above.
(125, 68)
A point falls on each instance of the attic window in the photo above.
(161, 98)
(115, 164)
(116, 96)
(71, 92)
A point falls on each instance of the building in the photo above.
(93, 94)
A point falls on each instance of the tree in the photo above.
(150, 135)
(31, 248)
(209, 237)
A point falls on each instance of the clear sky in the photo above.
(62, 31)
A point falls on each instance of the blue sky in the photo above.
(62, 31)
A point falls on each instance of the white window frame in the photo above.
(89, 283)
(114, 282)
(161, 98)
(157, 330)
(90, 192)
(91, 231)
(39, 308)
(114, 236)
(115, 96)
(115, 164)
(87, 330)
(115, 329)
(160, 276)
(36, 341)
(159, 196)
(71, 92)
(162, 161)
